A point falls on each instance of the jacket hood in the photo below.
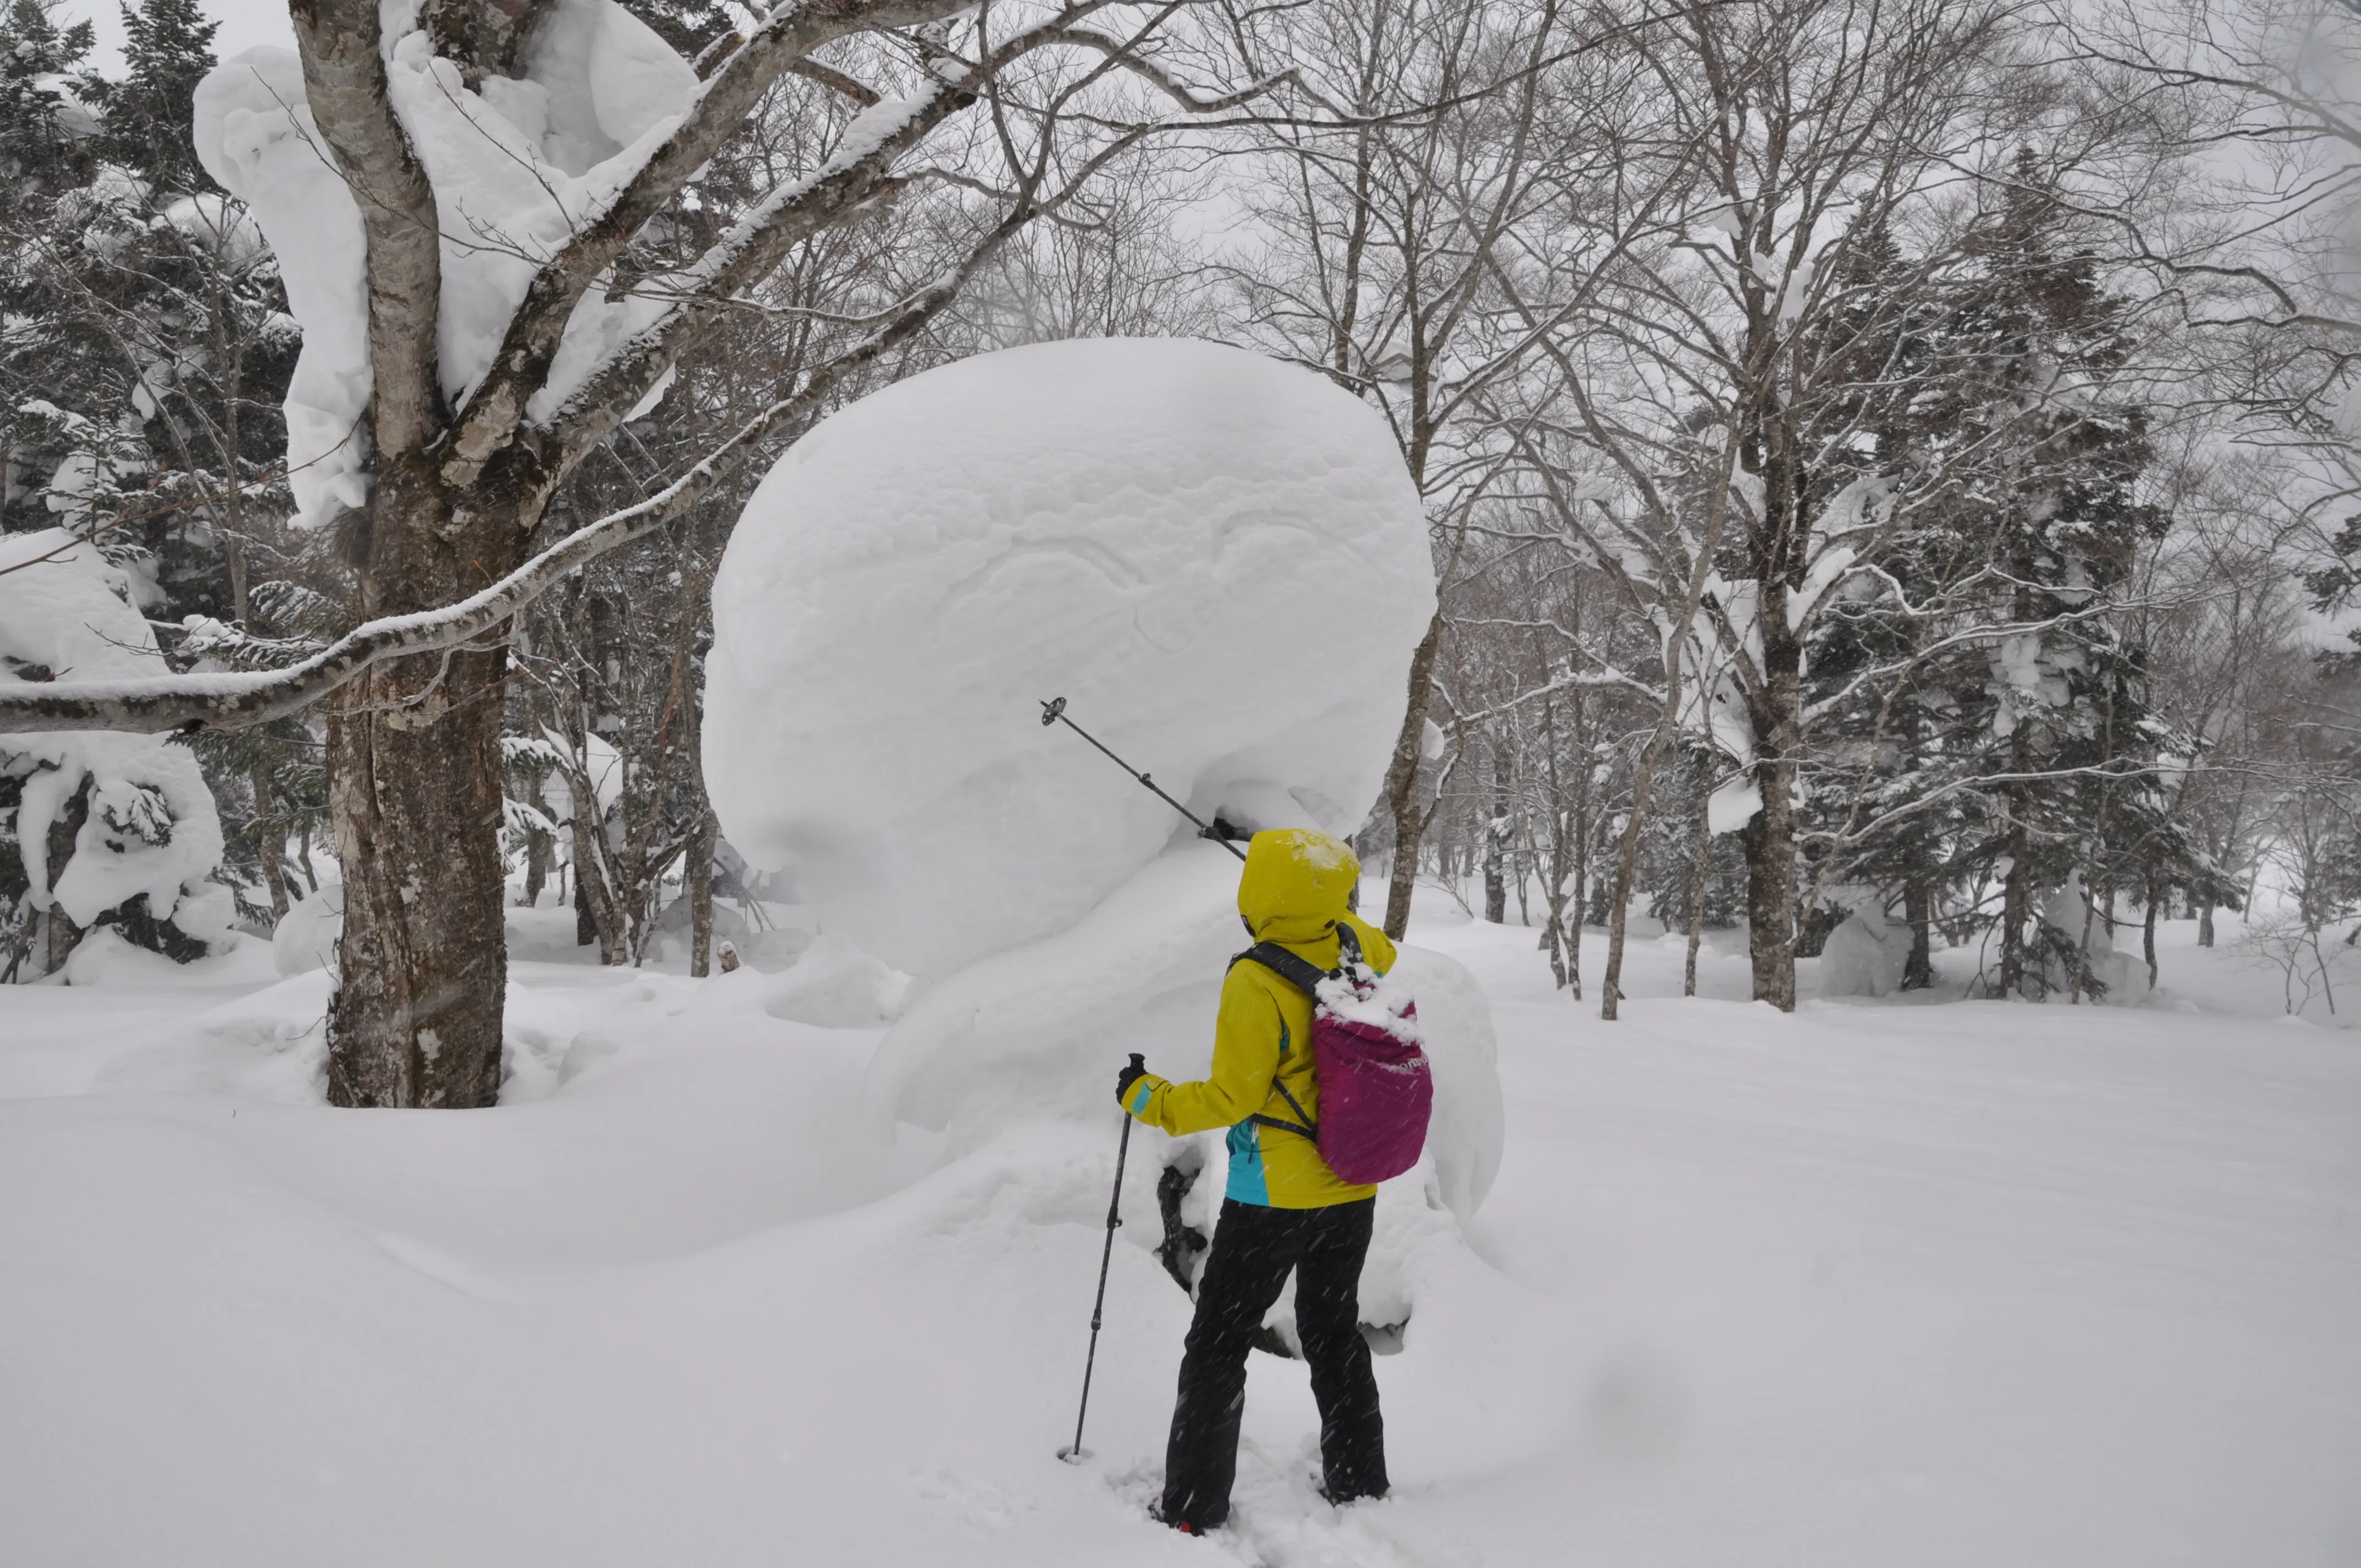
(1295, 884)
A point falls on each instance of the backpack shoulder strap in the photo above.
(1301, 973)
(1305, 976)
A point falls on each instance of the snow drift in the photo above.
(1220, 560)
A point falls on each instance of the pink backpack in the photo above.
(1375, 1089)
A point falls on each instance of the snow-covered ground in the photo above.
(1969, 1283)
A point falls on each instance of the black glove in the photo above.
(1130, 1075)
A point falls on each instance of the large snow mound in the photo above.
(1219, 559)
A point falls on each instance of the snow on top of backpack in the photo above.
(1376, 1003)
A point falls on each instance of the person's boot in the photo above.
(1186, 1526)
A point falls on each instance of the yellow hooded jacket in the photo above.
(1292, 892)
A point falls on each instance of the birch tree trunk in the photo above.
(414, 801)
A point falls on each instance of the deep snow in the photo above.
(1974, 1284)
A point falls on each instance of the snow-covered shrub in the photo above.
(2106, 974)
(1865, 955)
(95, 826)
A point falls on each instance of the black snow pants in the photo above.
(1254, 1248)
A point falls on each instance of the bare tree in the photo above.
(1382, 238)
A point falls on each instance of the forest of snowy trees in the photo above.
(1888, 460)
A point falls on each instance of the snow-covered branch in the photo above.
(241, 699)
(527, 351)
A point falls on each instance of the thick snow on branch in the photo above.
(517, 167)
(255, 134)
(242, 698)
(151, 826)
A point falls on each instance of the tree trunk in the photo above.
(1402, 781)
(1627, 869)
(2016, 908)
(1776, 717)
(415, 798)
(2205, 924)
(2147, 931)
(268, 847)
(2016, 891)
(1581, 819)
(1770, 843)
(1697, 889)
(1517, 871)
(1496, 844)
(701, 898)
(1918, 908)
(595, 904)
(537, 848)
(2083, 943)
(586, 929)
(413, 758)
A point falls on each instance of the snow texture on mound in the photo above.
(151, 827)
(1219, 559)
(517, 167)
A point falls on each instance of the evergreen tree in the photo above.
(42, 123)
(144, 118)
(146, 357)
(2016, 748)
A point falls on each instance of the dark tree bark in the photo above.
(1402, 781)
(1496, 843)
(268, 845)
(2148, 929)
(1918, 909)
(415, 799)
(537, 848)
(1770, 843)
(2016, 888)
(701, 898)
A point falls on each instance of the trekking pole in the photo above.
(1075, 1455)
(1054, 712)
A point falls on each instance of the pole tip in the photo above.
(1051, 709)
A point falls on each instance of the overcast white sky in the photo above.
(244, 24)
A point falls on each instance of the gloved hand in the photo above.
(1131, 1074)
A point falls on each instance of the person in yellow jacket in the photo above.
(1285, 1210)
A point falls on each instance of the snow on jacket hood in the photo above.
(1296, 884)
